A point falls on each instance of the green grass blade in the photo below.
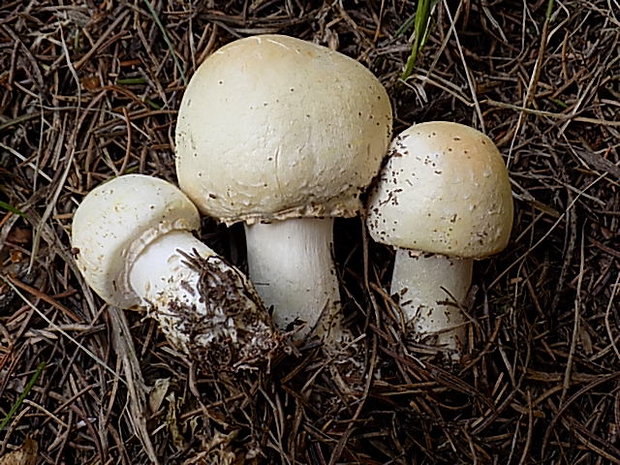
(131, 81)
(31, 382)
(11, 208)
(405, 26)
(166, 39)
(420, 34)
(549, 12)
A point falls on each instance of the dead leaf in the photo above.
(91, 83)
(584, 338)
(25, 455)
(20, 236)
(158, 394)
(217, 452)
(173, 427)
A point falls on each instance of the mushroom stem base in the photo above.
(205, 307)
(290, 263)
(431, 291)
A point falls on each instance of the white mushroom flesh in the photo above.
(291, 265)
(431, 290)
(273, 128)
(444, 190)
(134, 247)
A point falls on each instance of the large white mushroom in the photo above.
(132, 236)
(284, 135)
(443, 199)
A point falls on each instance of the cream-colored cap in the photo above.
(116, 221)
(273, 127)
(444, 189)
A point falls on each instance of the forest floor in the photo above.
(90, 89)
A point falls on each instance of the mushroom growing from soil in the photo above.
(443, 199)
(132, 236)
(284, 135)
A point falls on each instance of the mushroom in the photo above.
(443, 200)
(284, 135)
(134, 247)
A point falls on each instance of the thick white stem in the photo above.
(205, 306)
(166, 283)
(431, 289)
(161, 274)
(291, 265)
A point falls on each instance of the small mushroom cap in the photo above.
(273, 127)
(444, 189)
(116, 221)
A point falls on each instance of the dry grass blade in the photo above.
(133, 378)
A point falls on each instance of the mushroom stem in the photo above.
(200, 301)
(291, 265)
(166, 284)
(431, 289)
(133, 244)
(160, 274)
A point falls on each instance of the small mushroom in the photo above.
(284, 135)
(443, 199)
(132, 236)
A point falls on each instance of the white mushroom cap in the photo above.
(116, 221)
(445, 190)
(273, 127)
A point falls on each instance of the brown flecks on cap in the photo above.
(452, 198)
(233, 143)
